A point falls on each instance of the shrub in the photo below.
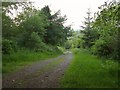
(101, 48)
(8, 46)
(68, 45)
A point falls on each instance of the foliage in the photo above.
(87, 32)
(8, 27)
(103, 37)
(74, 40)
(106, 23)
(30, 36)
(8, 46)
(68, 44)
(56, 32)
(33, 29)
(100, 48)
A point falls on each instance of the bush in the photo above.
(101, 48)
(31, 41)
(68, 45)
(8, 46)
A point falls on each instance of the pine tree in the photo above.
(87, 31)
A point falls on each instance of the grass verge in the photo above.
(21, 59)
(87, 71)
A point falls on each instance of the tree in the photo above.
(56, 33)
(9, 29)
(106, 25)
(33, 28)
(87, 31)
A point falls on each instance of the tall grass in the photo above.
(22, 58)
(88, 71)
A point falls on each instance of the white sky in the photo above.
(75, 10)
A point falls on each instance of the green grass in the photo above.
(23, 58)
(87, 71)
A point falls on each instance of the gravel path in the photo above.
(43, 74)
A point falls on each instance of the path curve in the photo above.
(43, 74)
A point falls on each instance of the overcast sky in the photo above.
(75, 10)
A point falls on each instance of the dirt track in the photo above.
(45, 74)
